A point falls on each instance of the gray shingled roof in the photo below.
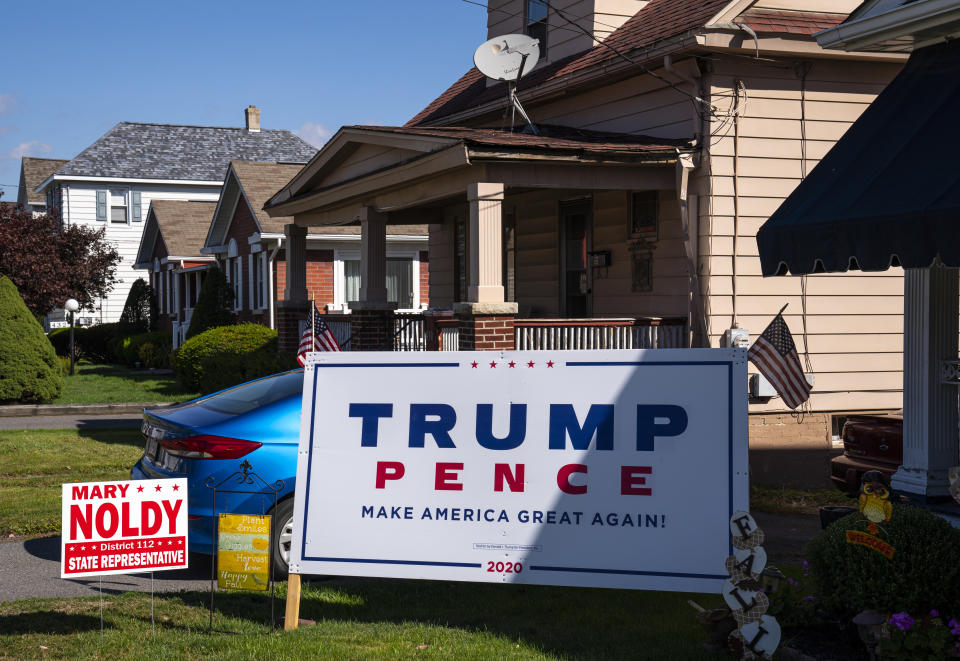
(166, 151)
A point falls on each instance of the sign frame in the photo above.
(731, 361)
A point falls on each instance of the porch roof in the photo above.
(399, 157)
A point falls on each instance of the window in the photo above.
(236, 280)
(399, 281)
(536, 23)
(644, 212)
(118, 206)
(260, 285)
(459, 260)
(510, 256)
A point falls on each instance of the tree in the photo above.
(214, 304)
(29, 367)
(140, 311)
(49, 262)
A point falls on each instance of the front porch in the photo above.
(567, 240)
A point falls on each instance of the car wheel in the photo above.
(282, 534)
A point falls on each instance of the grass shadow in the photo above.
(48, 622)
(571, 623)
(123, 432)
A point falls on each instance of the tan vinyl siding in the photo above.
(853, 321)
(640, 105)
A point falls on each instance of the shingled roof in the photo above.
(182, 225)
(260, 181)
(190, 153)
(657, 21)
(33, 172)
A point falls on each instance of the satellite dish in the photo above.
(508, 57)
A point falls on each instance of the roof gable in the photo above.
(181, 226)
(187, 153)
(657, 21)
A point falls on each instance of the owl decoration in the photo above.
(875, 500)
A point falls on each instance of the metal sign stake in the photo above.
(101, 609)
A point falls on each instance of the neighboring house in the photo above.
(170, 253)
(250, 247)
(33, 172)
(640, 199)
(111, 183)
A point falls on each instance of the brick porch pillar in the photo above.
(289, 316)
(372, 318)
(294, 307)
(486, 326)
(432, 323)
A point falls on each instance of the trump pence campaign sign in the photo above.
(123, 527)
(593, 468)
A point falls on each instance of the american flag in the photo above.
(775, 355)
(319, 338)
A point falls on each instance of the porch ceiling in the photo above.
(433, 164)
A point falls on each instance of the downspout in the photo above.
(270, 291)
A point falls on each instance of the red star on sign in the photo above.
(512, 364)
(493, 364)
(140, 489)
(176, 487)
(549, 363)
(530, 364)
(473, 364)
(157, 488)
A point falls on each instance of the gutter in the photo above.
(902, 21)
(273, 294)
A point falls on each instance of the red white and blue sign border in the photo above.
(736, 475)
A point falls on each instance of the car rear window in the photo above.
(255, 394)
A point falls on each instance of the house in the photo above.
(886, 199)
(33, 172)
(111, 183)
(170, 253)
(669, 131)
(250, 247)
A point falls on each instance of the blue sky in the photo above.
(72, 70)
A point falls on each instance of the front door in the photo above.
(576, 224)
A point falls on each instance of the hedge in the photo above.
(147, 349)
(228, 355)
(29, 367)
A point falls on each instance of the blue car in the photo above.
(207, 439)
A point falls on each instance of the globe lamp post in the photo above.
(71, 306)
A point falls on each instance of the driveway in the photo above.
(32, 569)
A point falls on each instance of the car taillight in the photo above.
(208, 447)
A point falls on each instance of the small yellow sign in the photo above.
(243, 552)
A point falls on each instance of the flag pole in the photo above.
(313, 324)
(782, 309)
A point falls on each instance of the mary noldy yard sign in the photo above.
(123, 527)
(594, 468)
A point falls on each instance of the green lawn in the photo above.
(106, 384)
(33, 464)
(366, 619)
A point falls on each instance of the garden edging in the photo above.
(25, 410)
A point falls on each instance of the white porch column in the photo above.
(485, 234)
(295, 290)
(373, 256)
(930, 440)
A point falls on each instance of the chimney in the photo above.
(253, 119)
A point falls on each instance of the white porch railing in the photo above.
(639, 333)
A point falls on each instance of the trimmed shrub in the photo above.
(97, 343)
(60, 339)
(140, 310)
(229, 355)
(924, 573)
(29, 367)
(214, 304)
(131, 349)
